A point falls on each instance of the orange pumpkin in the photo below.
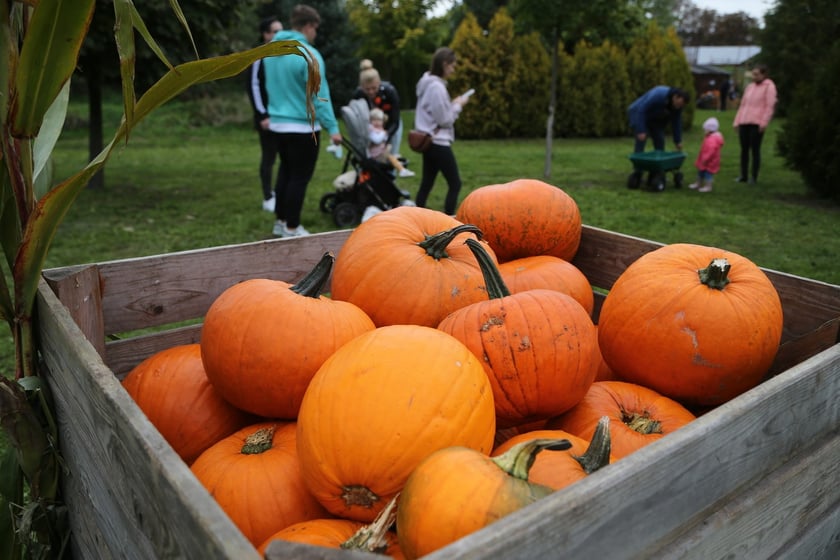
(698, 324)
(638, 415)
(408, 266)
(255, 477)
(457, 491)
(549, 273)
(524, 218)
(346, 534)
(381, 404)
(172, 390)
(538, 347)
(263, 340)
(605, 373)
(558, 469)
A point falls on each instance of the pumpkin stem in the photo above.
(517, 460)
(496, 287)
(641, 423)
(435, 245)
(597, 455)
(371, 538)
(259, 442)
(312, 284)
(715, 275)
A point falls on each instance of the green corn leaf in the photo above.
(50, 131)
(45, 65)
(51, 209)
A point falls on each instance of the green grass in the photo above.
(175, 187)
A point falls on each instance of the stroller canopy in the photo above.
(356, 116)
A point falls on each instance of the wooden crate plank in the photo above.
(668, 484)
(773, 514)
(123, 481)
(166, 289)
(80, 292)
(123, 355)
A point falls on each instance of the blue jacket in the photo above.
(285, 82)
(653, 110)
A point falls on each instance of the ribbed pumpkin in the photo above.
(408, 266)
(255, 477)
(638, 415)
(381, 404)
(376, 537)
(263, 340)
(605, 373)
(548, 273)
(457, 491)
(171, 388)
(538, 347)
(524, 218)
(558, 469)
(698, 324)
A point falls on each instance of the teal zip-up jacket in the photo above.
(285, 82)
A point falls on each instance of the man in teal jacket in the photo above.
(292, 132)
(651, 113)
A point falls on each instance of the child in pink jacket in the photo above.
(708, 160)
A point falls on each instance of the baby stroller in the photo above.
(365, 186)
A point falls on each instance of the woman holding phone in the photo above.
(436, 114)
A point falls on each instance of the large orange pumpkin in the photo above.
(638, 415)
(698, 324)
(255, 477)
(381, 404)
(549, 273)
(172, 389)
(408, 266)
(558, 469)
(263, 340)
(457, 491)
(538, 347)
(524, 218)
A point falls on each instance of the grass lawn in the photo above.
(176, 187)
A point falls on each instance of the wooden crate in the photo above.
(756, 477)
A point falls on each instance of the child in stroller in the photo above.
(378, 148)
(365, 186)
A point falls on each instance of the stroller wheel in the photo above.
(328, 203)
(634, 180)
(346, 214)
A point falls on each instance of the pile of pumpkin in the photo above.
(453, 376)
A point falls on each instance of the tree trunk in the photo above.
(552, 103)
(94, 86)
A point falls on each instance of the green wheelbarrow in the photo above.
(657, 164)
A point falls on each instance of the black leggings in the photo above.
(298, 156)
(440, 159)
(268, 153)
(750, 137)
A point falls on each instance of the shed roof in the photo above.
(727, 55)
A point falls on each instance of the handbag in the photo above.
(419, 141)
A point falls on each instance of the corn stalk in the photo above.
(39, 50)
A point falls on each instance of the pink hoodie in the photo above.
(757, 104)
(709, 157)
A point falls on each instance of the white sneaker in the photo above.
(705, 188)
(279, 226)
(299, 231)
(268, 205)
(693, 186)
(406, 172)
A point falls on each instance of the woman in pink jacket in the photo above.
(752, 118)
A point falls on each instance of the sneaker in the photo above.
(406, 172)
(279, 226)
(268, 205)
(705, 188)
(299, 231)
(740, 180)
(693, 186)
(751, 181)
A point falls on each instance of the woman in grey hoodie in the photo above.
(436, 114)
